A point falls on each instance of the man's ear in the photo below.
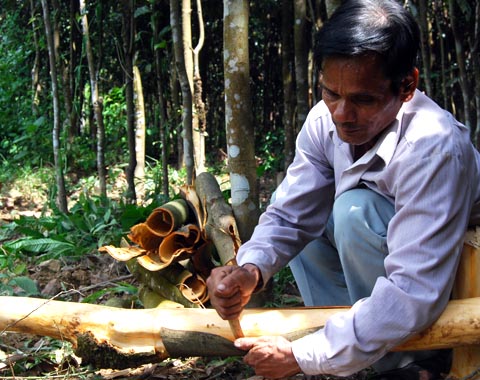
(409, 85)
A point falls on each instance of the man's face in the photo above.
(359, 97)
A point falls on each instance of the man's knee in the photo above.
(359, 209)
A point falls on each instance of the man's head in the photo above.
(360, 27)
(366, 54)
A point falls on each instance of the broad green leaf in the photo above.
(27, 284)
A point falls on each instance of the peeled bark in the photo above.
(120, 338)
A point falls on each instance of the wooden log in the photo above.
(466, 360)
(221, 226)
(118, 338)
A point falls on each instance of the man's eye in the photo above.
(364, 100)
(328, 94)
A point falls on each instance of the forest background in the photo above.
(107, 107)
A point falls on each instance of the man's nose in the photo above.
(344, 112)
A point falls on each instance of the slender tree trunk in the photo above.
(301, 61)
(438, 8)
(288, 74)
(162, 114)
(460, 60)
(200, 119)
(128, 51)
(425, 45)
(140, 133)
(75, 44)
(96, 104)
(36, 62)
(238, 116)
(177, 119)
(185, 88)
(57, 154)
(63, 64)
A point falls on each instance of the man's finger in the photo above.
(245, 343)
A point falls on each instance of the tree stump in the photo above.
(466, 359)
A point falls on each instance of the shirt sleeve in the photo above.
(302, 203)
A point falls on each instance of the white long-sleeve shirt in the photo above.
(426, 165)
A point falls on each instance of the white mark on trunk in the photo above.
(240, 189)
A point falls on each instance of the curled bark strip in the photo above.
(167, 218)
(124, 253)
(142, 235)
(178, 242)
(192, 286)
(190, 195)
(178, 245)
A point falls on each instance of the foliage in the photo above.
(20, 131)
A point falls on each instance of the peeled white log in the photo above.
(119, 338)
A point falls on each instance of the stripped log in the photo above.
(466, 360)
(118, 338)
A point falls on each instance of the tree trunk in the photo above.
(108, 337)
(288, 75)
(438, 10)
(128, 36)
(162, 112)
(75, 51)
(36, 61)
(301, 61)
(460, 60)
(57, 154)
(425, 45)
(140, 133)
(185, 88)
(96, 104)
(199, 119)
(238, 116)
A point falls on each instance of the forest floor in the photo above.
(33, 357)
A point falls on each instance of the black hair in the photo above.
(360, 27)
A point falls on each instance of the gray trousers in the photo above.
(342, 266)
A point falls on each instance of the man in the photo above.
(372, 211)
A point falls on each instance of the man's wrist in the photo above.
(252, 268)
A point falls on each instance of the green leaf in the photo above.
(39, 246)
(27, 284)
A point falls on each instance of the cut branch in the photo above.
(221, 226)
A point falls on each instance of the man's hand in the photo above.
(230, 288)
(270, 356)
